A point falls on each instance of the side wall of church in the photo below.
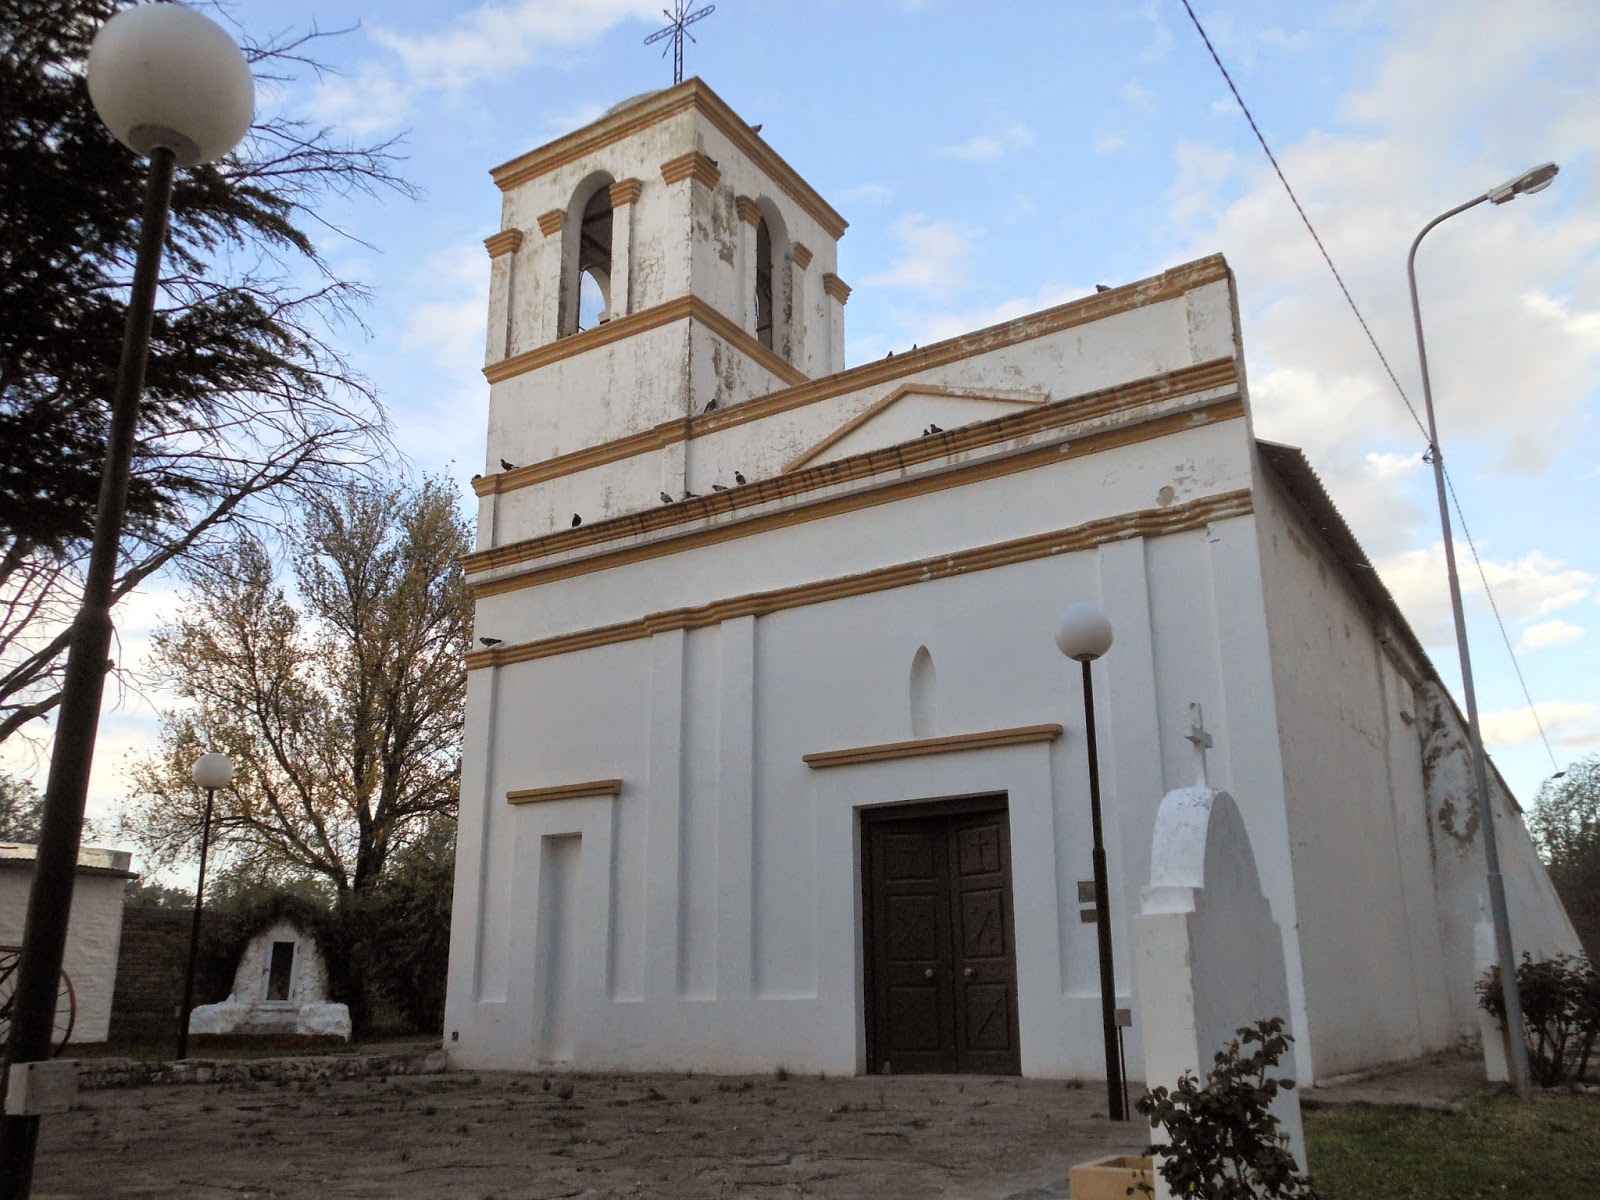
(1388, 868)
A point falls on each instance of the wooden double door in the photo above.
(941, 973)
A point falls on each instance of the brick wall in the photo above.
(155, 949)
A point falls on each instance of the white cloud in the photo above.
(1575, 726)
(1549, 633)
(986, 147)
(1383, 465)
(933, 256)
(1531, 588)
(488, 42)
(871, 193)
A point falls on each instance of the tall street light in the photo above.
(1084, 633)
(1535, 180)
(211, 771)
(172, 86)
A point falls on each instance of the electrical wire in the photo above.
(1382, 358)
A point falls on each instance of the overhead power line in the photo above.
(1382, 358)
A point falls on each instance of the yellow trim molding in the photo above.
(802, 255)
(749, 210)
(1167, 286)
(1019, 736)
(566, 791)
(836, 287)
(551, 221)
(627, 325)
(650, 110)
(1126, 398)
(507, 241)
(1153, 522)
(626, 191)
(905, 389)
(701, 168)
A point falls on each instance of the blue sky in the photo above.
(998, 158)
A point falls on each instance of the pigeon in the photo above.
(475, 478)
(688, 495)
(666, 499)
(889, 355)
(489, 641)
(738, 476)
(507, 466)
(719, 487)
(931, 429)
(1100, 287)
(755, 129)
(913, 345)
(712, 406)
(576, 520)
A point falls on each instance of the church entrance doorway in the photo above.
(940, 961)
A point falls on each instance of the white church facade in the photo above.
(771, 758)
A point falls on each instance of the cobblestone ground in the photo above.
(503, 1136)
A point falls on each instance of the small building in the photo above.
(94, 932)
(279, 988)
(770, 757)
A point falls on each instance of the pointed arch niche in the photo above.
(924, 694)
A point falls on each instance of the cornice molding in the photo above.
(566, 791)
(692, 94)
(801, 254)
(694, 165)
(507, 241)
(628, 325)
(836, 287)
(1020, 735)
(749, 210)
(890, 461)
(626, 192)
(1156, 522)
(551, 221)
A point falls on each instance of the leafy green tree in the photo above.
(154, 895)
(401, 928)
(249, 404)
(341, 707)
(1565, 823)
(21, 808)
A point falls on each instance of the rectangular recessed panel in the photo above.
(908, 857)
(988, 1016)
(913, 1019)
(983, 925)
(912, 929)
(978, 849)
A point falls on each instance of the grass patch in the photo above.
(1494, 1146)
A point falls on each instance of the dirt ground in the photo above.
(509, 1137)
(503, 1136)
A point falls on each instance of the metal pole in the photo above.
(44, 934)
(194, 932)
(1516, 1046)
(1102, 916)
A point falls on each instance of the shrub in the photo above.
(1224, 1140)
(1560, 1014)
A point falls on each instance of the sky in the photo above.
(995, 159)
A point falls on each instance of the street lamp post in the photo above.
(1535, 180)
(211, 771)
(1084, 633)
(171, 85)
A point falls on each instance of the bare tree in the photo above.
(342, 710)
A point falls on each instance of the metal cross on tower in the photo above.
(681, 18)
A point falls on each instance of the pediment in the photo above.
(905, 415)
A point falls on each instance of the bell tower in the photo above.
(655, 265)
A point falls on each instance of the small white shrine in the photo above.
(281, 987)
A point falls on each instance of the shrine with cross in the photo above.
(769, 755)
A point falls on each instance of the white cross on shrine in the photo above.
(1201, 741)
